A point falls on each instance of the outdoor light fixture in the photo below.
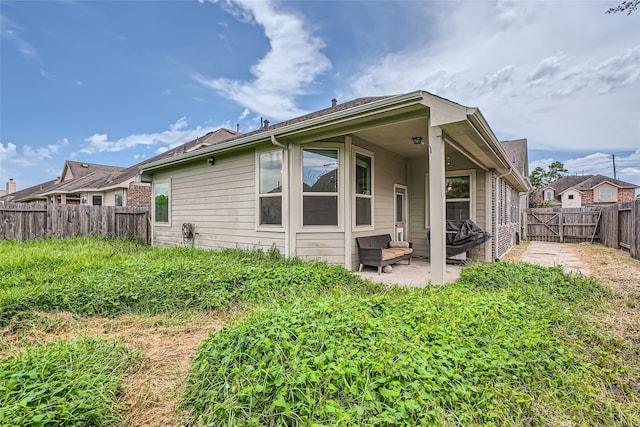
(417, 140)
(211, 161)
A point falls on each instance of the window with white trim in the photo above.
(161, 205)
(117, 199)
(458, 197)
(363, 191)
(270, 187)
(605, 194)
(320, 187)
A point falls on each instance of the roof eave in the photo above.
(289, 130)
(478, 121)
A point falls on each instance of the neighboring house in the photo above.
(589, 190)
(398, 165)
(96, 184)
(27, 195)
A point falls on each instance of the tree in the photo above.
(626, 6)
(556, 170)
(540, 178)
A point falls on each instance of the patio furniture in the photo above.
(380, 250)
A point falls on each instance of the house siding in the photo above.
(325, 246)
(576, 202)
(220, 201)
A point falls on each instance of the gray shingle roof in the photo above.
(30, 193)
(586, 182)
(517, 152)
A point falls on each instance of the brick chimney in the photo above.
(11, 186)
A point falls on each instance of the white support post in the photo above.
(437, 206)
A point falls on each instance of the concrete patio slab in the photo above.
(550, 254)
(415, 275)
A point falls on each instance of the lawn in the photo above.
(105, 331)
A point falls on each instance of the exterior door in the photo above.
(400, 212)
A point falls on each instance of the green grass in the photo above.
(491, 350)
(509, 344)
(90, 276)
(75, 383)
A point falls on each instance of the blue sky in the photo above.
(116, 82)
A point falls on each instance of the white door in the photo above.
(400, 212)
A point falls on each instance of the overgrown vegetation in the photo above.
(113, 277)
(502, 347)
(75, 383)
(509, 344)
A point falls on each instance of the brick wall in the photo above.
(587, 197)
(626, 195)
(139, 194)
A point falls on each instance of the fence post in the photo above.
(634, 230)
(561, 226)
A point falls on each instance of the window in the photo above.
(458, 197)
(363, 190)
(96, 200)
(549, 195)
(319, 187)
(161, 192)
(604, 194)
(118, 199)
(570, 196)
(270, 187)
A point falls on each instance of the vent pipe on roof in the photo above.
(266, 124)
(237, 127)
(334, 102)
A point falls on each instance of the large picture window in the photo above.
(320, 186)
(161, 192)
(270, 185)
(363, 190)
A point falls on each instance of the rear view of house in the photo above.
(399, 165)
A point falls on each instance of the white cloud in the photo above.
(573, 89)
(12, 32)
(285, 72)
(47, 75)
(178, 133)
(17, 161)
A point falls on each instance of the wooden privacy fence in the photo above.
(620, 227)
(26, 221)
(561, 225)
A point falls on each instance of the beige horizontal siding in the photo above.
(220, 201)
(324, 246)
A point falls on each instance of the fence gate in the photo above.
(561, 225)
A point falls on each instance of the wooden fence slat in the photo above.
(23, 221)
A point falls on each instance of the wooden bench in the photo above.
(380, 250)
